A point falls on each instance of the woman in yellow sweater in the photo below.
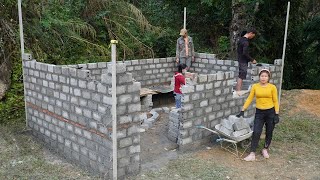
(267, 110)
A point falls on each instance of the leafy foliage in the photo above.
(79, 31)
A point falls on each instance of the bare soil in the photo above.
(301, 101)
(156, 149)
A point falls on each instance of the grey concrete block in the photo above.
(233, 118)
(92, 65)
(135, 62)
(220, 62)
(86, 94)
(102, 65)
(134, 149)
(107, 100)
(220, 76)
(185, 141)
(125, 119)
(204, 103)
(217, 92)
(150, 61)
(137, 68)
(92, 85)
(187, 89)
(143, 61)
(200, 87)
(225, 130)
(278, 62)
(123, 99)
(120, 68)
(239, 133)
(240, 125)
(228, 62)
(83, 74)
(134, 108)
(57, 69)
(101, 88)
(73, 72)
(125, 142)
(124, 78)
(76, 92)
(93, 156)
(133, 129)
(227, 124)
(212, 77)
(67, 143)
(87, 134)
(187, 124)
(65, 89)
(208, 109)
(202, 78)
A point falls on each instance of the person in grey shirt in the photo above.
(185, 49)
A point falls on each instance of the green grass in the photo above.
(298, 139)
(298, 129)
(23, 158)
(188, 167)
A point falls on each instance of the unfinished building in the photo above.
(69, 106)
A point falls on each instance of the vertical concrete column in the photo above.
(128, 120)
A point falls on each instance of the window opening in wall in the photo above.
(163, 100)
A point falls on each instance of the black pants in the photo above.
(262, 117)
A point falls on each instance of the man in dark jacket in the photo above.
(243, 57)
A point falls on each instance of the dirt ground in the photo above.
(156, 149)
(301, 101)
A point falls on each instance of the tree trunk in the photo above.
(238, 24)
(5, 75)
(7, 47)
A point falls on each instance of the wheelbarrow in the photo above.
(230, 143)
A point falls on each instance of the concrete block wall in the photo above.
(69, 110)
(206, 103)
(209, 64)
(275, 70)
(152, 71)
(95, 69)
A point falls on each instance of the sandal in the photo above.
(250, 157)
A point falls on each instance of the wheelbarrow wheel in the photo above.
(245, 143)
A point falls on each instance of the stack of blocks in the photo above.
(174, 124)
(234, 126)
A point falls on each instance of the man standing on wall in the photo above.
(243, 57)
(185, 49)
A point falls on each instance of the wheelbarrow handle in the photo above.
(227, 140)
(202, 127)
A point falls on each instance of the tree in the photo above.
(8, 44)
(243, 17)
